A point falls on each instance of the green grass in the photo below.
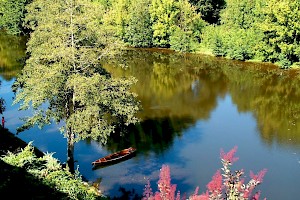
(28, 173)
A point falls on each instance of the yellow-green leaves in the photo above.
(281, 28)
(63, 79)
(12, 15)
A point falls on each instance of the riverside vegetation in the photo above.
(261, 30)
(39, 175)
(69, 39)
(231, 187)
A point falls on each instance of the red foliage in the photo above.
(259, 177)
(229, 157)
(231, 186)
(215, 185)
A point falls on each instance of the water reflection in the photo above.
(151, 135)
(12, 55)
(192, 106)
(189, 86)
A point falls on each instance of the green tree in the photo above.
(12, 15)
(163, 17)
(105, 3)
(117, 16)
(209, 9)
(63, 80)
(238, 35)
(281, 30)
(241, 13)
(187, 29)
(138, 31)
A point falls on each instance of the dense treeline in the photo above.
(263, 30)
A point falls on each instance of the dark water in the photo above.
(192, 107)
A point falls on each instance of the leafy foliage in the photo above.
(117, 16)
(238, 36)
(163, 15)
(242, 14)
(209, 9)
(238, 44)
(186, 33)
(12, 14)
(264, 30)
(50, 172)
(232, 186)
(281, 28)
(63, 79)
(138, 32)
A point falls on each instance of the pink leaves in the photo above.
(147, 192)
(229, 157)
(215, 185)
(225, 185)
(167, 191)
(259, 177)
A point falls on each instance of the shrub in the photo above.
(50, 172)
(231, 186)
(181, 40)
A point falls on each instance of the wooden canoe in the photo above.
(115, 157)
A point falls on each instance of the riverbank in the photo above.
(9, 142)
(15, 181)
(14, 178)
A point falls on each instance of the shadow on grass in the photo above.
(15, 182)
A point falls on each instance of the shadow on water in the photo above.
(151, 135)
(127, 195)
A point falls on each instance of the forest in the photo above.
(256, 30)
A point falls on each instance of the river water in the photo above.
(193, 105)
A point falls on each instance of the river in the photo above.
(193, 105)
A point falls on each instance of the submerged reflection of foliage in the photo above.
(12, 55)
(272, 96)
(156, 135)
(127, 194)
(188, 86)
(171, 86)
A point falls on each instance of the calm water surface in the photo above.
(192, 107)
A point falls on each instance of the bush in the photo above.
(232, 42)
(232, 186)
(183, 41)
(49, 172)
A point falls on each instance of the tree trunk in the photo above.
(70, 150)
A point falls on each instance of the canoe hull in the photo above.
(115, 158)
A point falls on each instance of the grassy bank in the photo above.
(31, 174)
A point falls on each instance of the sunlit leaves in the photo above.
(12, 15)
(282, 32)
(163, 16)
(138, 32)
(63, 79)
